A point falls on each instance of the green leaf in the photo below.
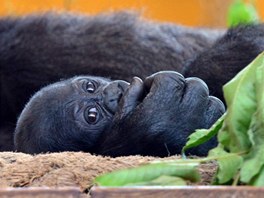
(201, 136)
(240, 96)
(257, 121)
(146, 173)
(163, 180)
(228, 164)
(241, 13)
(254, 161)
(259, 178)
(252, 165)
(243, 127)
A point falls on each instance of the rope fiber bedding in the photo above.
(75, 169)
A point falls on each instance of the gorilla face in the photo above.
(93, 114)
(68, 115)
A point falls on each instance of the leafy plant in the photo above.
(158, 173)
(240, 152)
(241, 12)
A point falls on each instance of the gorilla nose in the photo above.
(112, 94)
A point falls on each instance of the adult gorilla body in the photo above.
(38, 50)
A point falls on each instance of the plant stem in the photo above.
(236, 179)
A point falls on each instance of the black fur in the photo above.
(232, 52)
(153, 117)
(57, 117)
(38, 50)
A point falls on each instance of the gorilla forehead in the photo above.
(56, 96)
(68, 87)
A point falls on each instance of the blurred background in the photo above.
(211, 13)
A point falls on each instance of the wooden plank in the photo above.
(40, 192)
(179, 192)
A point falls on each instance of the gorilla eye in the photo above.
(89, 87)
(92, 115)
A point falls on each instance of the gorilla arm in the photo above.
(159, 123)
(230, 54)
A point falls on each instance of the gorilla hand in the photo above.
(159, 123)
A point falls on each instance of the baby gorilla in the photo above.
(115, 118)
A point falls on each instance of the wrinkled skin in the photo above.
(113, 118)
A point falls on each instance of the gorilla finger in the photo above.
(215, 110)
(196, 91)
(131, 97)
(164, 80)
